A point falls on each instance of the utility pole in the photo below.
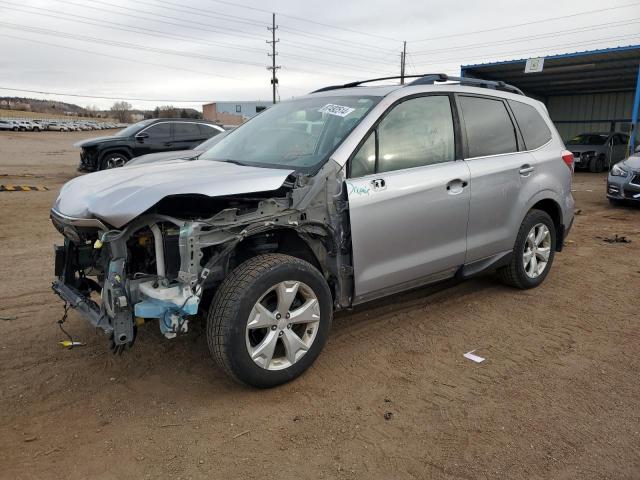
(273, 67)
(403, 62)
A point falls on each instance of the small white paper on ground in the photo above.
(472, 357)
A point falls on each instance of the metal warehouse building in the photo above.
(594, 91)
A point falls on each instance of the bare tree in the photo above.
(121, 110)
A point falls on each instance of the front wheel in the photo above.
(113, 160)
(533, 252)
(269, 320)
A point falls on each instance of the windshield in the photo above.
(133, 129)
(296, 134)
(588, 139)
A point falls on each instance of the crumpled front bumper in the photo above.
(89, 309)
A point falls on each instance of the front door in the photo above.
(408, 200)
(156, 138)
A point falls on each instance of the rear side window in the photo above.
(490, 130)
(207, 131)
(186, 130)
(532, 126)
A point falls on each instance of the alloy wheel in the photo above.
(282, 325)
(537, 249)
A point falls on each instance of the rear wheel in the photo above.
(533, 252)
(269, 320)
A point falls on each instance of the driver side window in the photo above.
(159, 131)
(415, 133)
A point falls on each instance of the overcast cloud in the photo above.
(82, 46)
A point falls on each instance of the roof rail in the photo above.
(431, 79)
(476, 82)
(360, 82)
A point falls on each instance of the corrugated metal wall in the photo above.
(574, 114)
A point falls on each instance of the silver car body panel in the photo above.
(392, 229)
(117, 196)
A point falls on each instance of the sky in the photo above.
(160, 52)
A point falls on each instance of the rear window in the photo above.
(532, 126)
(490, 130)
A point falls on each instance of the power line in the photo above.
(588, 12)
(124, 59)
(103, 97)
(119, 26)
(203, 13)
(564, 33)
(537, 49)
(306, 20)
(185, 23)
(102, 41)
(159, 34)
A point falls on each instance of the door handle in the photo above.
(456, 186)
(168, 144)
(378, 184)
(526, 169)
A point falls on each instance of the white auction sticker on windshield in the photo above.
(338, 110)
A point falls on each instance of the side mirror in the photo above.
(141, 136)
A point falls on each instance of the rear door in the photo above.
(498, 171)
(186, 135)
(408, 199)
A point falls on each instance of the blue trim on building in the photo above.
(634, 114)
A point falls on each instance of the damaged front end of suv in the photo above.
(162, 263)
(157, 241)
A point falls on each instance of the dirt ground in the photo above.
(391, 396)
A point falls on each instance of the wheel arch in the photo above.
(120, 149)
(285, 240)
(553, 209)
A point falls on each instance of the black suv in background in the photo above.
(148, 136)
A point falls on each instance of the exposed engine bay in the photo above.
(166, 263)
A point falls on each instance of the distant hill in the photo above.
(53, 107)
(43, 106)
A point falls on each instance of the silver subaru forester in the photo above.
(318, 204)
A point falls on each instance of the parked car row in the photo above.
(55, 125)
(142, 138)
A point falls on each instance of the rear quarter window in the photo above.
(532, 126)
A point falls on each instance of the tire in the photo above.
(113, 160)
(515, 274)
(249, 295)
(614, 202)
(597, 164)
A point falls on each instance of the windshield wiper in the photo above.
(236, 162)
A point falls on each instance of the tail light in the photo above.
(567, 158)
